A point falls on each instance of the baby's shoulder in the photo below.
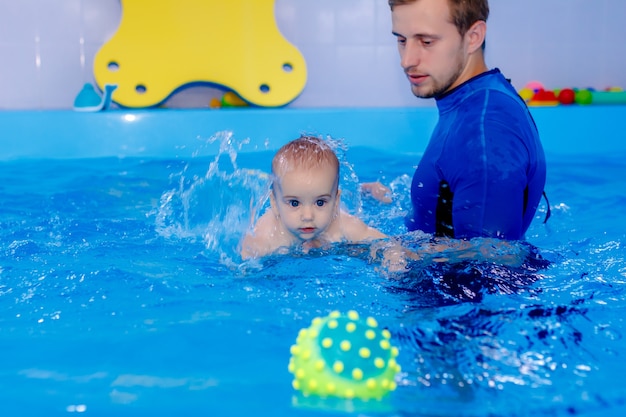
(266, 222)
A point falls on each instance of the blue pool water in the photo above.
(122, 294)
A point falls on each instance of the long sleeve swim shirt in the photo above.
(483, 171)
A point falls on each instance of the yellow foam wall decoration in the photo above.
(161, 45)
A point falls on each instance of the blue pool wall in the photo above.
(185, 133)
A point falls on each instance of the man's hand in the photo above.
(377, 190)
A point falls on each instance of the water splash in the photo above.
(216, 207)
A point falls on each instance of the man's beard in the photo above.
(441, 88)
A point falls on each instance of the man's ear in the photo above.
(476, 36)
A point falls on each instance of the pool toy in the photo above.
(526, 94)
(583, 97)
(534, 86)
(231, 99)
(88, 99)
(608, 97)
(342, 355)
(228, 99)
(215, 103)
(543, 98)
(566, 96)
(163, 45)
(535, 95)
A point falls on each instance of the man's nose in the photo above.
(410, 55)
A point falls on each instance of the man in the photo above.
(483, 171)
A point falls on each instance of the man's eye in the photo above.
(320, 203)
(401, 41)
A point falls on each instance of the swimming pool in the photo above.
(122, 293)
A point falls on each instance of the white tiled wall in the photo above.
(47, 49)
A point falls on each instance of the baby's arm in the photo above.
(355, 230)
(394, 256)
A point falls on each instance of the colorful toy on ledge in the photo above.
(535, 94)
(89, 100)
(229, 99)
(344, 356)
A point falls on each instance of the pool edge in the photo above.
(169, 133)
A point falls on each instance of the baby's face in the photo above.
(306, 200)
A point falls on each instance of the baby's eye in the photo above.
(320, 203)
(293, 203)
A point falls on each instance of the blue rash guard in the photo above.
(484, 170)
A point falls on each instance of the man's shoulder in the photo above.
(493, 103)
(495, 94)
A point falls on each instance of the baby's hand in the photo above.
(377, 190)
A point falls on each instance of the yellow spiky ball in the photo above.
(345, 356)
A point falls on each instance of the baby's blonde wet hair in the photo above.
(304, 153)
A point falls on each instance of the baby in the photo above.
(304, 204)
